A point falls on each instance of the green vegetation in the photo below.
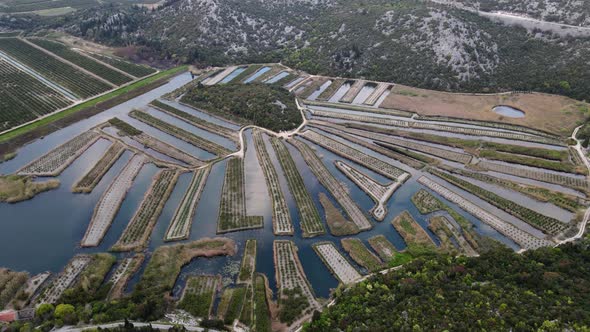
(16, 188)
(109, 97)
(560, 166)
(125, 129)
(292, 304)
(410, 230)
(262, 321)
(199, 294)
(130, 68)
(310, 220)
(264, 105)
(10, 284)
(179, 133)
(89, 286)
(248, 262)
(383, 247)
(232, 205)
(564, 201)
(539, 290)
(247, 308)
(361, 254)
(94, 175)
(540, 221)
(337, 223)
(236, 302)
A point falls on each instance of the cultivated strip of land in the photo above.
(182, 221)
(282, 223)
(111, 201)
(140, 227)
(336, 188)
(232, 209)
(336, 263)
(310, 220)
(87, 183)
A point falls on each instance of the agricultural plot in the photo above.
(167, 149)
(196, 121)
(295, 296)
(382, 247)
(336, 188)
(330, 90)
(274, 70)
(140, 227)
(459, 157)
(217, 78)
(111, 201)
(231, 304)
(315, 84)
(10, 284)
(128, 67)
(353, 91)
(283, 80)
(281, 217)
(564, 201)
(199, 293)
(248, 263)
(335, 107)
(445, 231)
(180, 224)
(337, 223)
(336, 263)
(381, 88)
(310, 220)
(123, 273)
(435, 126)
(361, 158)
(351, 136)
(232, 209)
(522, 238)
(23, 98)
(262, 318)
(58, 159)
(82, 61)
(246, 73)
(361, 254)
(578, 183)
(179, 133)
(78, 82)
(410, 230)
(87, 183)
(65, 279)
(546, 224)
(380, 193)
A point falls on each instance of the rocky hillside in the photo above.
(421, 43)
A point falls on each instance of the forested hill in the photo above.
(543, 290)
(414, 42)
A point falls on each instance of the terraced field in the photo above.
(353, 154)
(310, 221)
(128, 67)
(336, 188)
(181, 223)
(281, 218)
(232, 206)
(97, 68)
(111, 201)
(179, 133)
(58, 159)
(198, 295)
(87, 183)
(78, 82)
(138, 230)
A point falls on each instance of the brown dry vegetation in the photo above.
(16, 188)
(551, 113)
(337, 223)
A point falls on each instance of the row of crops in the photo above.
(23, 98)
(129, 68)
(82, 61)
(78, 82)
(94, 175)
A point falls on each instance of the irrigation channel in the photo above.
(51, 225)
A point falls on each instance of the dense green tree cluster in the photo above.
(264, 105)
(545, 289)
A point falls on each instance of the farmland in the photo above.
(232, 206)
(310, 190)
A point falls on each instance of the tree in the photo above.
(66, 313)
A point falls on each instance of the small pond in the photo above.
(508, 111)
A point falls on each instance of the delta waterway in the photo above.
(42, 234)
